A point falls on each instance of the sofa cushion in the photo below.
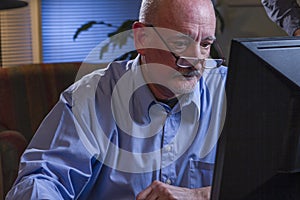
(27, 93)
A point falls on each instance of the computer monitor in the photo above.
(258, 152)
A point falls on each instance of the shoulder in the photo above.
(100, 81)
(110, 74)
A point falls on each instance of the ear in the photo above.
(140, 37)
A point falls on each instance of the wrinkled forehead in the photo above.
(196, 31)
(183, 34)
(195, 18)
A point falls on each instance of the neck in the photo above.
(170, 102)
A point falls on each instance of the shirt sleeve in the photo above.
(285, 13)
(56, 164)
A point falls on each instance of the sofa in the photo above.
(27, 94)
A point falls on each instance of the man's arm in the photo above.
(56, 165)
(285, 13)
(159, 190)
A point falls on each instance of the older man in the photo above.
(145, 128)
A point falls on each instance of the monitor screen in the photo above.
(258, 153)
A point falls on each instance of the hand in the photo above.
(161, 191)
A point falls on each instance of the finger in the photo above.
(144, 194)
(152, 196)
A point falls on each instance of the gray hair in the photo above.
(148, 10)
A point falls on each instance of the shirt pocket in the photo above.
(200, 173)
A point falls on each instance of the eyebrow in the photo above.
(182, 35)
(212, 38)
(209, 38)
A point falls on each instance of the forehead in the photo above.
(196, 32)
(195, 18)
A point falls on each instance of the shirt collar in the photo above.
(142, 98)
(191, 99)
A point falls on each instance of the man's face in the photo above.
(187, 31)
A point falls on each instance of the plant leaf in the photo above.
(84, 27)
(103, 50)
(87, 26)
(125, 26)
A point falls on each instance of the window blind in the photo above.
(61, 19)
(15, 36)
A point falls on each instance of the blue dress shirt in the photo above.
(109, 138)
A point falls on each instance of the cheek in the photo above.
(160, 73)
(161, 57)
(161, 64)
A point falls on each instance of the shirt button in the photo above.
(168, 181)
(168, 148)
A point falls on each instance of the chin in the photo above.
(181, 91)
(185, 86)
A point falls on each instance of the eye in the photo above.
(205, 44)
